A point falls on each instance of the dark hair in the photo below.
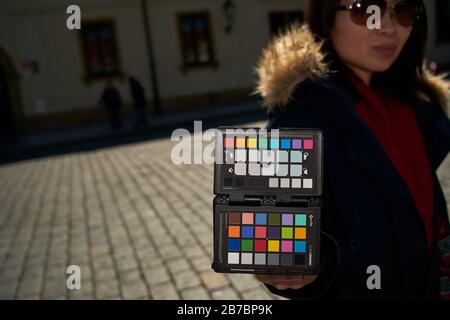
(403, 78)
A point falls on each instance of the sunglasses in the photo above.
(406, 12)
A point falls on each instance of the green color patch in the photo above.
(300, 219)
(262, 143)
(247, 245)
(274, 219)
(287, 233)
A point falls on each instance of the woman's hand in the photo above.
(284, 282)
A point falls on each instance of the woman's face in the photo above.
(367, 51)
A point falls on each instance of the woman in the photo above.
(385, 134)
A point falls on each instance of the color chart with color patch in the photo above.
(268, 241)
(289, 161)
(268, 187)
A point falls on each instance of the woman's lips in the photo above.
(385, 50)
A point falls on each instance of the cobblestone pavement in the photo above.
(138, 226)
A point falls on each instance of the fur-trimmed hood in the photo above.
(295, 56)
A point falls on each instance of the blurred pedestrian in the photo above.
(139, 102)
(112, 102)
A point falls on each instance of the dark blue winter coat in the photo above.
(368, 213)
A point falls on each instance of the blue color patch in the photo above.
(260, 218)
(300, 246)
(285, 143)
(234, 244)
(247, 232)
(274, 144)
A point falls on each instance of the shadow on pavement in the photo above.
(123, 137)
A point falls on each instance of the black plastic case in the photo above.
(252, 197)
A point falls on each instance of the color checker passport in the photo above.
(268, 187)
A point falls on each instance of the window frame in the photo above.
(186, 67)
(87, 76)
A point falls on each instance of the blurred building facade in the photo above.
(204, 52)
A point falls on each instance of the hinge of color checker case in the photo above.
(294, 201)
(244, 200)
(248, 200)
(279, 200)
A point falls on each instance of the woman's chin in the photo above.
(380, 68)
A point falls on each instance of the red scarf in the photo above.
(394, 124)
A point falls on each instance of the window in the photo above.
(196, 41)
(280, 21)
(99, 49)
(443, 21)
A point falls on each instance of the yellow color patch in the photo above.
(273, 246)
(240, 143)
(251, 143)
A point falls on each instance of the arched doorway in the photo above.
(10, 103)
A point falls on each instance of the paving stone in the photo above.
(176, 265)
(103, 262)
(212, 280)
(29, 297)
(244, 282)
(165, 291)
(105, 274)
(33, 271)
(156, 275)
(56, 272)
(10, 274)
(225, 294)
(30, 286)
(55, 289)
(81, 295)
(130, 276)
(107, 288)
(126, 263)
(193, 252)
(100, 249)
(197, 293)
(201, 263)
(151, 261)
(134, 290)
(186, 279)
(8, 289)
